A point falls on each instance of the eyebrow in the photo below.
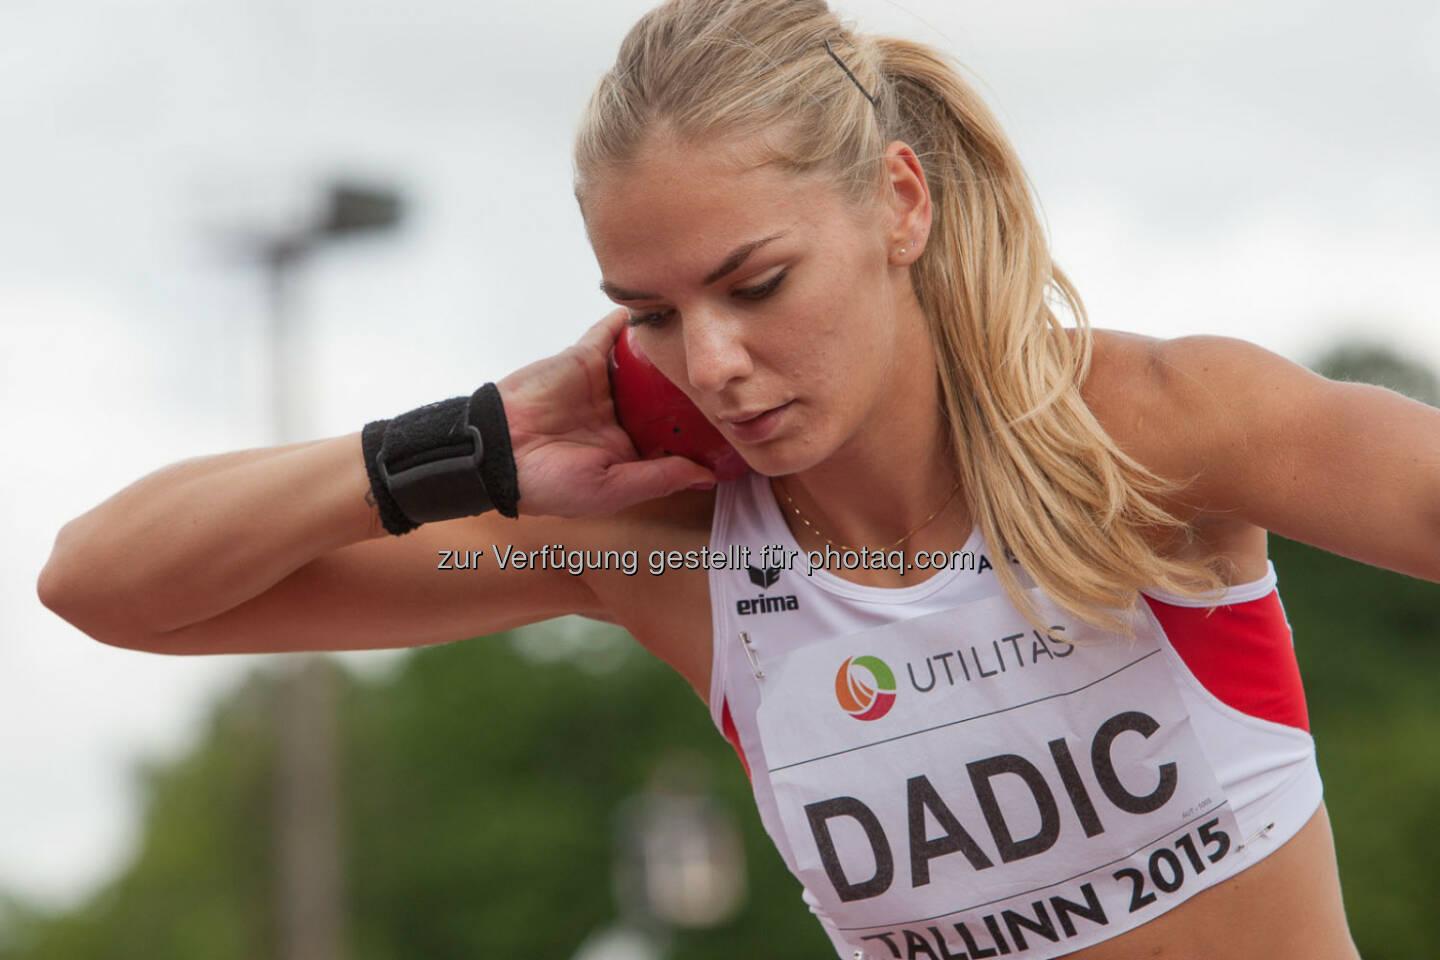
(730, 265)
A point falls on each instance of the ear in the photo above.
(909, 204)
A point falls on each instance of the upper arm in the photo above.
(1351, 468)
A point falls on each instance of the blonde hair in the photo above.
(1042, 478)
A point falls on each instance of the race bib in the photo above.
(964, 785)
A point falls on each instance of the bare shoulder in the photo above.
(1265, 444)
(608, 554)
(1186, 408)
(1198, 404)
(1129, 390)
(680, 521)
(666, 609)
(1180, 406)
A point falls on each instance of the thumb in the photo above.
(648, 479)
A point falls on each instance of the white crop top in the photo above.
(948, 782)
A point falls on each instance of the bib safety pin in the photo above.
(749, 649)
(1256, 836)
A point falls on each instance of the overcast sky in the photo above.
(1260, 169)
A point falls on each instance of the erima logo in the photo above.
(763, 578)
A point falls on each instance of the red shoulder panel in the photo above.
(727, 726)
(1242, 653)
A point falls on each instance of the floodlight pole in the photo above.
(309, 866)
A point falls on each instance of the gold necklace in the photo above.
(914, 530)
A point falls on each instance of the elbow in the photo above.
(62, 589)
(50, 587)
(55, 586)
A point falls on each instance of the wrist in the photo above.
(442, 461)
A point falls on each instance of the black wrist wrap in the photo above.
(391, 515)
(431, 452)
(487, 413)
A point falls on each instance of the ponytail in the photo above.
(1044, 479)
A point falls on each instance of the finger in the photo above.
(603, 334)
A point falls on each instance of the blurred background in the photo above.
(227, 222)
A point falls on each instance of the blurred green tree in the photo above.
(480, 786)
(1364, 361)
(1368, 642)
(199, 883)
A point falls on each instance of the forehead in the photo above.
(681, 206)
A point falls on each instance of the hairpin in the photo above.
(873, 101)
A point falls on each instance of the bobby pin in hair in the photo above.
(873, 101)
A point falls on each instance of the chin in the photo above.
(781, 458)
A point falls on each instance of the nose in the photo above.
(715, 352)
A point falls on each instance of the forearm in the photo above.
(201, 536)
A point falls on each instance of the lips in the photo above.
(751, 414)
(745, 417)
(757, 426)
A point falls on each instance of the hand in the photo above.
(571, 456)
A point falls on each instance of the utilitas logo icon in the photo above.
(865, 687)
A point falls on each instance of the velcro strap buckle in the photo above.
(440, 489)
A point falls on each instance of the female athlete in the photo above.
(1082, 734)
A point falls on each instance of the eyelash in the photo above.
(751, 293)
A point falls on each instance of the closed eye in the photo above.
(759, 292)
(763, 290)
(646, 319)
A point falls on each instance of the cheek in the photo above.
(665, 355)
(847, 333)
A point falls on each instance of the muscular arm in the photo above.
(1350, 468)
(281, 549)
(199, 537)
